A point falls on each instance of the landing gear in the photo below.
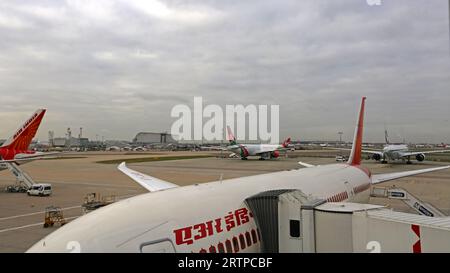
(243, 158)
(409, 161)
(262, 158)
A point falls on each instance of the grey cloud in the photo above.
(120, 69)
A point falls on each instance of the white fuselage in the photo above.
(393, 152)
(255, 149)
(198, 218)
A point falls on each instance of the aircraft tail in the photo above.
(286, 142)
(231, 137)
(25, 134)
(386, 136)
(355, 155)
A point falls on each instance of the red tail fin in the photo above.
(355, 155)
(23, 136)
(286, 142)
(231, 137)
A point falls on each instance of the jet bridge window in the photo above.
(294, 228)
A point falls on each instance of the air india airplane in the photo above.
(15, 149)
(209, 217)
(264, 151)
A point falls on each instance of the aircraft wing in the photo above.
(404, 154)
(379, 178)
(35, 156)
(363, 151)
(146, 181)
(216, 148)
(372, 152)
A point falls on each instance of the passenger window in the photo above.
(235, 245)
(255, 239)
(247, 237)
(220, 248)
(212, 249)
(294, 228)
(242, 241)
(228, 246)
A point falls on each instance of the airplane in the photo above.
(265, 151)
(393, 152)
(209, 217)
(15, 149)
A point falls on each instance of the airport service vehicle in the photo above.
(340, 158)
(264, 151)
(15, 149)
(40, 190)
(209, 217)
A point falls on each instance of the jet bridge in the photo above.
(290, 221)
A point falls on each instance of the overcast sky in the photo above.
(118, 67)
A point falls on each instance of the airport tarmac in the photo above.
(22, 216)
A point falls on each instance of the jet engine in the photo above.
(420, 157)
(376, 157)
(275, 154)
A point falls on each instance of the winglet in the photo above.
(355, 155)
(150, 183)
(306, 164)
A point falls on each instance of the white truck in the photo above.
(40, 190)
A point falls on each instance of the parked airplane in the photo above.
(264, 151)
(393, 152)
(209, 217)
(15, 149)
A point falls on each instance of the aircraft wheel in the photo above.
(408, 162)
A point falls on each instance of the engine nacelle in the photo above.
(376, 157)
(420, 157)
(275, 154)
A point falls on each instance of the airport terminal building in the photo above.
(143, 138)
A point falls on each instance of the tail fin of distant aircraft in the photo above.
(286, 142)
(355, 155)
(231, 137)
(386, 136)
(25, 134)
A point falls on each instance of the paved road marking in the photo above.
(31, 225)
(34, 213)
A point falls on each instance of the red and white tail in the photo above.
(286, 142)
(25, 134)
(230, 134)
(355, 155)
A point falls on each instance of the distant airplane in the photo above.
(15, 149)
(264, 151)
(209, 217)
(393, 152)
